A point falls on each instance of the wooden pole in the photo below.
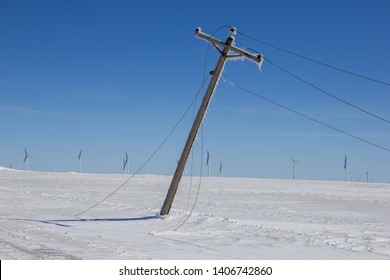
(224, 54)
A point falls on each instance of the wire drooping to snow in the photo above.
(201, 88)
(152, 155)
(185, 217)
(199, 185)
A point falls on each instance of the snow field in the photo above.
(234, 218)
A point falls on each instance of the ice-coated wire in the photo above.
(326, 92)
(315, 60)
(303, 115)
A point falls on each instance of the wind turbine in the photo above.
(25, 158)
(125, 164)
(367, 173)
(220, 168)
(345, 167)
(294, 163)
(79, 157)
(208, 162)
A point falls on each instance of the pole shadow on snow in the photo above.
(60, 222)
(107, 219)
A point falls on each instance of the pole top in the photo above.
(233, 31)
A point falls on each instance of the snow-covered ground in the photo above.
(234, 218)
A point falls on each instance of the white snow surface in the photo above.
(233, 218)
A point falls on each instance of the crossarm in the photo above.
(255, 57)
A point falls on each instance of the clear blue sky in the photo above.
(115, 76)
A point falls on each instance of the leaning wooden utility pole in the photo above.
(228, 51)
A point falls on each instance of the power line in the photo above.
(151, 156)
(303, 115)
(326, 92)
(186, 216)
(181, 223)
(314, 60)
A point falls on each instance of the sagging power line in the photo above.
(315, 60)
(302, 115)
(152, 155)
(326, 92)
